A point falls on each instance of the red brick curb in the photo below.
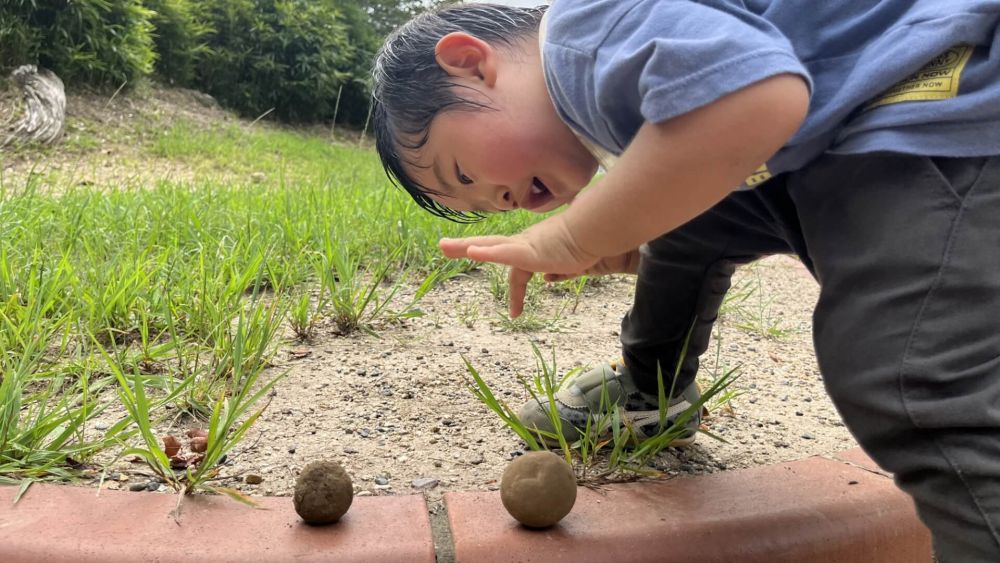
(60, 524)
(839, 509)
(813, 510)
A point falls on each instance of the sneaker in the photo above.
(579, 398)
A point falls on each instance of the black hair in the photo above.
(410, 89)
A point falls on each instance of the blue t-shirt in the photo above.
(912, 76)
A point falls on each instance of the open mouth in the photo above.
(539, 195)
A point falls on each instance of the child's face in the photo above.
(516, 155)
(494, 160)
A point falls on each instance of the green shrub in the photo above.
(18, 41)
(179, 30)
(291, 56)
(365, 40)
(295, 57)
(95, 42)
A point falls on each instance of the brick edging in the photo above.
(813, 510)
(818, 509)
(65, 524)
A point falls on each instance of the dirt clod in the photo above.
(323, 492)
(199, 444)
(171, 446)
(538, 489)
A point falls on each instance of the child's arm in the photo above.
(670, 173)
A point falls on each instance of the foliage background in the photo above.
(302, 60)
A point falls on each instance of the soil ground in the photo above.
(396, 409)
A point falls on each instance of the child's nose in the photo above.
(505, 199)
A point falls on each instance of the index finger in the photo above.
(518, 289)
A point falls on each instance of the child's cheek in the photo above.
(509, 164)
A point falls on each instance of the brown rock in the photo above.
(323, 492)
(538, 489)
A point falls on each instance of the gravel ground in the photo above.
(395, 411)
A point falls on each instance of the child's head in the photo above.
(462, 118)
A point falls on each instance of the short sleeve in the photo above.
(653, 60)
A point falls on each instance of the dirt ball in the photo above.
(323, 492)
(538, 489)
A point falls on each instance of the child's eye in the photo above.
(462, 178)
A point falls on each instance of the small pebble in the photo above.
(253, 479)
(425, 483)
(381, 480)
(135, 487)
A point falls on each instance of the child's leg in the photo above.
(907, 328)
(684, 275)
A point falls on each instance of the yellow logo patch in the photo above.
(759, 176)
(937, 80)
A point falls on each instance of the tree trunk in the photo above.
(43, 103)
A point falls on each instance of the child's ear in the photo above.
(464, 56)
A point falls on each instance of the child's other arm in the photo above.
(675, 170)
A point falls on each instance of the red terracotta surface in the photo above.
(858, 457)
(826, 510)
(816, 509)
(60, 524)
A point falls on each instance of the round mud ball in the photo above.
(323, 492)
(538, 489)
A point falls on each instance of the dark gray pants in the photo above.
(907, 328)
